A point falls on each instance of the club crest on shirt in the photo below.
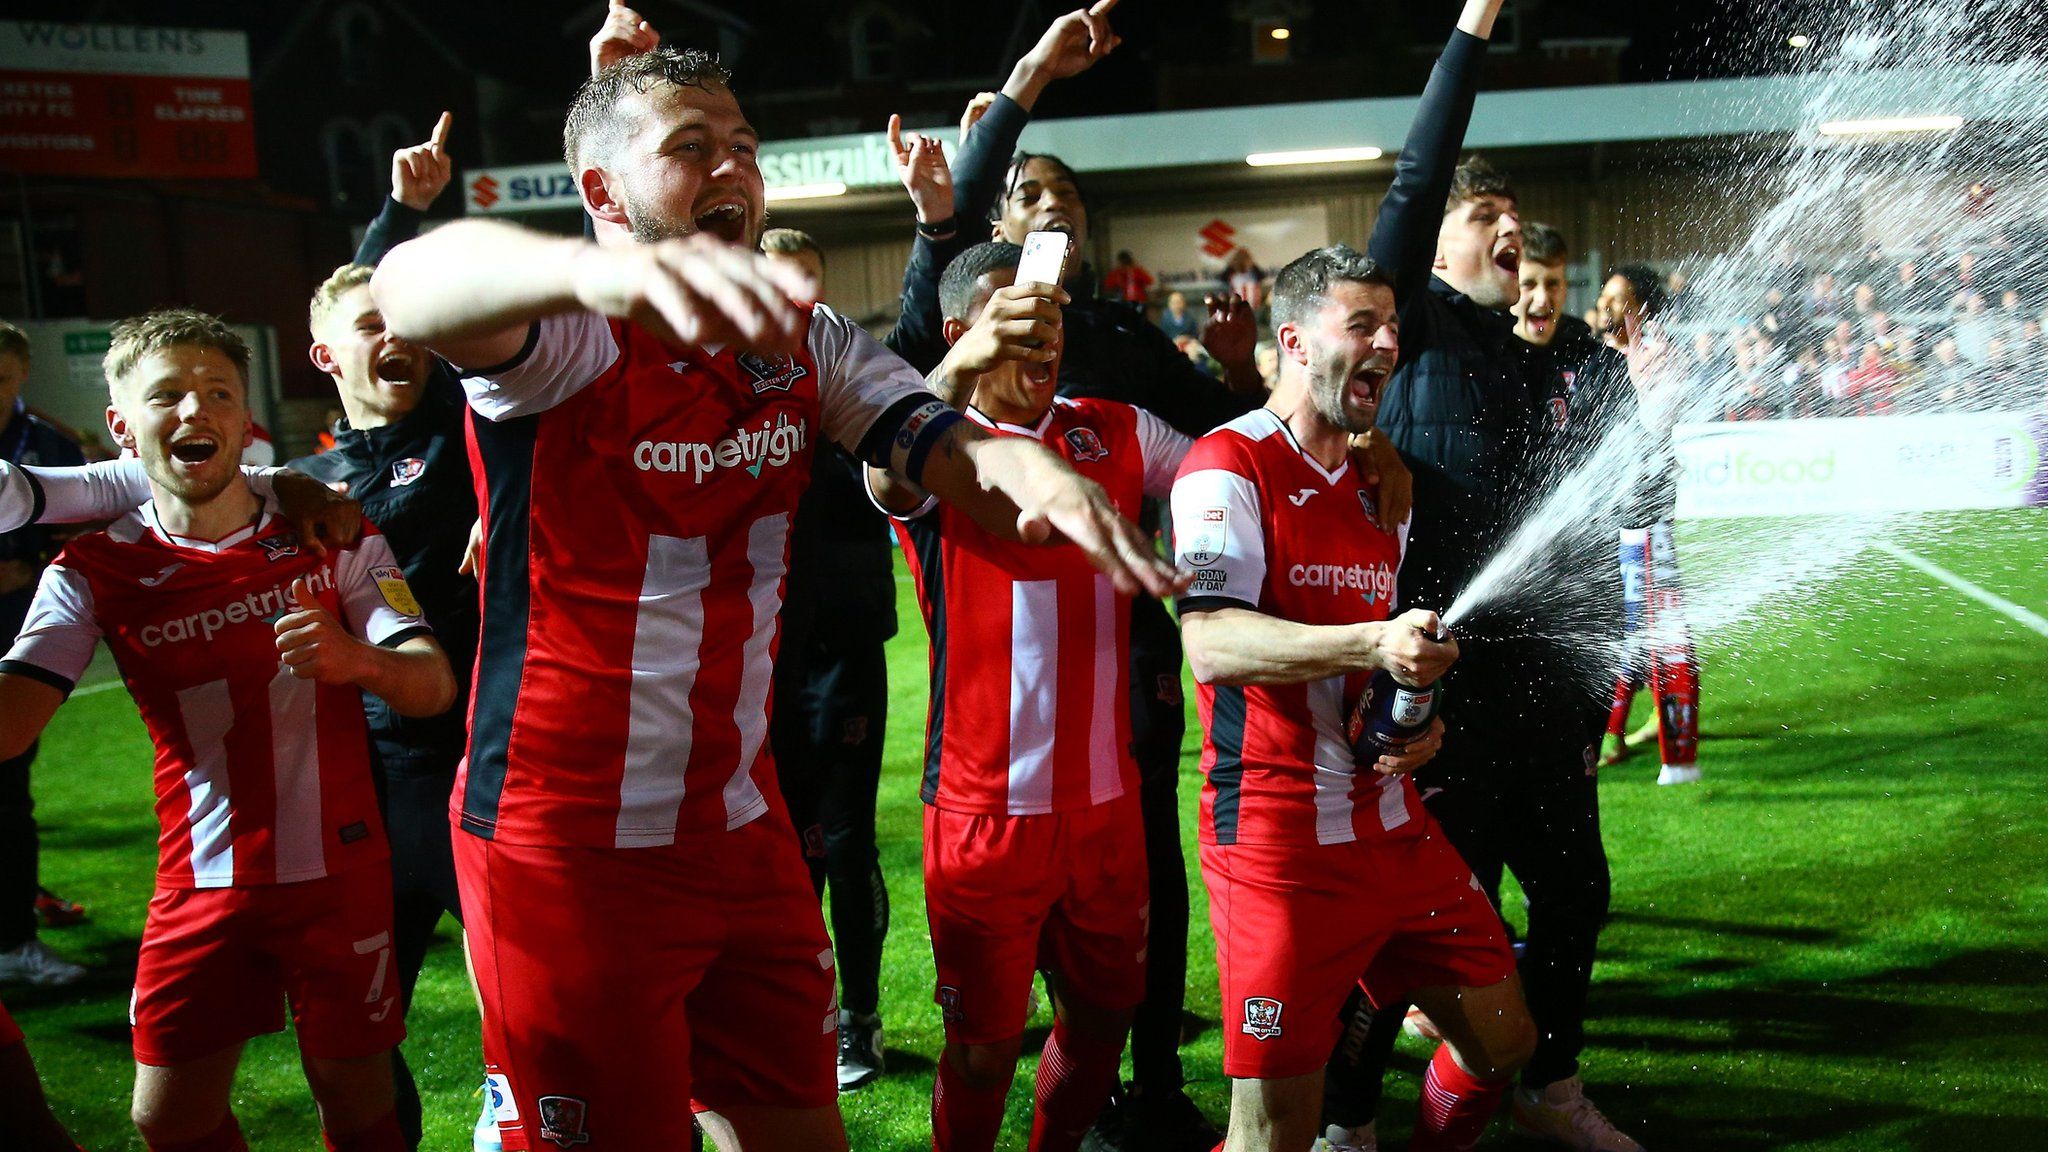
(1559, 409)
(1372, 508)
(949, 1004)
(1207, 538)
(282, 546)
(1085, 445)
(406, 471)
(1262, 1017)
(774, 375)
(562, 1120)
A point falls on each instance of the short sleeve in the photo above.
(376, 602)
(1163, 449)
(562, 355)
(858, 381)
(56, 641)
(1219, 534)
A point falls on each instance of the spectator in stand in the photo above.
(1677, 292)
(25, 438)
(1822, 300)
(1974, 329)
(1913, 292)
(1801, 384)
(2000, 383)
(1246, 279)
(1200, 357)
(1128, 281)
(1774, 317)
(1863, 305)
(1906, 360)
(1870, 384)
(1177, 320)
(1875, 267)
(1948, 382)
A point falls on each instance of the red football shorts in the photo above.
(10, 1034)
(1006, 895)
(621, 984)
(219, 965)
(1298, 925)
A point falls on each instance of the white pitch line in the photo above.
(102, 686)
(2029, 619)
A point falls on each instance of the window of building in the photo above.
(356, 28)
(876, 44)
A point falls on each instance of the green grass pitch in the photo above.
(1839, 940)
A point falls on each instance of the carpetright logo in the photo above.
(202, 625)
(775, 443)
(1375, 582)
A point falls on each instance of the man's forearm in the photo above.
(80, 494)
(474, 278)
(413, 678)
(1242, 646)
(1404, 236)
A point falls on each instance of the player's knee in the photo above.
(1504, 1046)
(166, 1124)
(985, 1067)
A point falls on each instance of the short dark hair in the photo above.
(138, 336)
(1543, 244)
(961, 283)
(790, 241)
(1476, 178)
(594, 126)
(13, 342)
(1647, 285)
(1017, 165)
(1304, 285)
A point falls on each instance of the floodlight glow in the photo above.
(790, 192)
(1313, 156)
(1798, 40)
(1891, 124)
(1280, 33)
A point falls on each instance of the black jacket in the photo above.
(1469, 422)
(413, 480)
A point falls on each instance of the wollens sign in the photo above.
(121, 100)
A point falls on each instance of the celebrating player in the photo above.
(644, 411)
(1320, 869)
(273, 882)
(1033, 842)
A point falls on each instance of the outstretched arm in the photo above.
(1404, 236)
(1245, 646)
(469, 290)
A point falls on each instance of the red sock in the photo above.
(382, 1135)
(1076, 1074)
(964, 1118)
(226, 1138)
(1455, 1108)
(1617, 710)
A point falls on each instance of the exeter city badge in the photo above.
(1262, 1017)
(1086, 445)
(768, 375)
(562, 1120)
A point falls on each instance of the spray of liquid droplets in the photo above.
(1822, 197)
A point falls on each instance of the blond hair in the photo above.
(139, 336)
(345, 280)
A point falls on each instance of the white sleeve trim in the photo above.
(1163, 449)
(570, 350)
(61, 630)
(858, 378)
(361, 576)
(1219, 534)
(924, 506)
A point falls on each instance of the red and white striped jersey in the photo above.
(1264, 527)
(1030, 645)
(637, 502)
(261, 778)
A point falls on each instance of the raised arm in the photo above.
(469, 290)
(418, 174)
(1404, 237)
(109, 488)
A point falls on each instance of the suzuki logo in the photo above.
(483, 191)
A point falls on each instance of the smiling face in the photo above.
(184, 410)
(380, 376)
(1348, 348)
(687, 165)
(1479, 250)
(1617, 304)
(1043, 198)
(1541, 302)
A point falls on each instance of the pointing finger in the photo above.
(440, 137)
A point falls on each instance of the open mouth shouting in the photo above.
(1508, 257)
(726, 220)
(195, 450)
(1369, 379)
(1540, 320)
(395, 367)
